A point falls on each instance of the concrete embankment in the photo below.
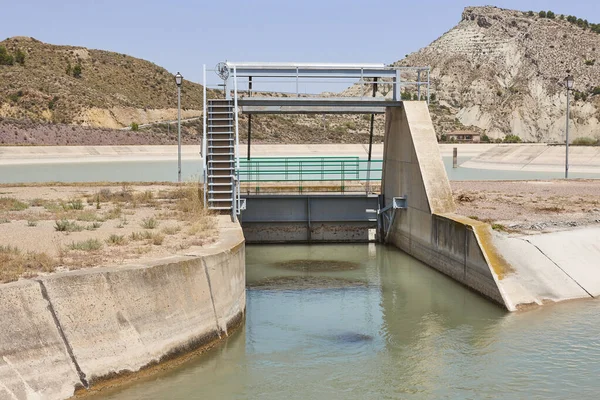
(17, 155)
(513, 271)
(75, 330)
(537, 157)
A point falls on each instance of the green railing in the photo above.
(309, 169)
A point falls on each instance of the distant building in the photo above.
(463, 137)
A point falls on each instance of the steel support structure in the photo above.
(297, 73)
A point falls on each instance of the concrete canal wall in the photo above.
(512, 271)
(537, 157)
(428, 229)
(74, 330)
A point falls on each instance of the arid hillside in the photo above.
(501, 71)
(75, 85)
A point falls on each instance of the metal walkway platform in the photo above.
(311, 105)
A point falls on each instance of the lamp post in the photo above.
(178, 81)
(569, 84)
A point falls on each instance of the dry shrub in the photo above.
(146, 198)
(171, 230)
(14, 263)
(12, 204)
(190, 204)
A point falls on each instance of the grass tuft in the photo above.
(171, 230)
(16, 263)
(116, 240)
(65, 225)
(86, 245)
(149, 223)
(12, 204)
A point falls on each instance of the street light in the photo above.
(178, 82)
(569, 85)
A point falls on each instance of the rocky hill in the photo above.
(501, 72)
(74, 85)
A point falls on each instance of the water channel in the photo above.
(366, 322)
(369, 322)
(166, 171)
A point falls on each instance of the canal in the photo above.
(166, 171)
(369, 322)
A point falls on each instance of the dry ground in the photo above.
(530, 206)
(53, 228)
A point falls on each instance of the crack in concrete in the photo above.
(82, 376)
(558, 266)
(212, 300)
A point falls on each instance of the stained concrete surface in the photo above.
(74, 329)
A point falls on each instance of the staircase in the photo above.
(220, 155)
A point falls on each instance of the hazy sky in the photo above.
(183, 35)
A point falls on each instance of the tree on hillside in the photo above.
(20, 57)
(77, 70)
(5, 58)
(550, 15)
(542, 14)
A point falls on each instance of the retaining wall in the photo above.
(428, 229)
(73, 330)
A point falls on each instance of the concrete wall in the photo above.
(428, 229)
(515, 272)
(75, 329)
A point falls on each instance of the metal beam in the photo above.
(318, 101)
(316, 73)
(301, 109)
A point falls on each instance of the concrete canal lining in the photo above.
(512, 271)
(76, 329)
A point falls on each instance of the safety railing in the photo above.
(338, 171)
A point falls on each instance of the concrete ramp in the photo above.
(513, 272)
(538, 158)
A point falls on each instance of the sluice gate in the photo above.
(299, 199)
(307, 218)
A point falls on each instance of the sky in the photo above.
(184, 35)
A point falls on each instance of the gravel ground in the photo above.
(55, 228)
(530, 206)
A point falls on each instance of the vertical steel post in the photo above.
(428, 85)
(236, 196)
(249, 118)
(203, 151)
(297, 78)
(397, 88)
(368, 185)
(567, 139)
(178, 133)
(419, 85)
